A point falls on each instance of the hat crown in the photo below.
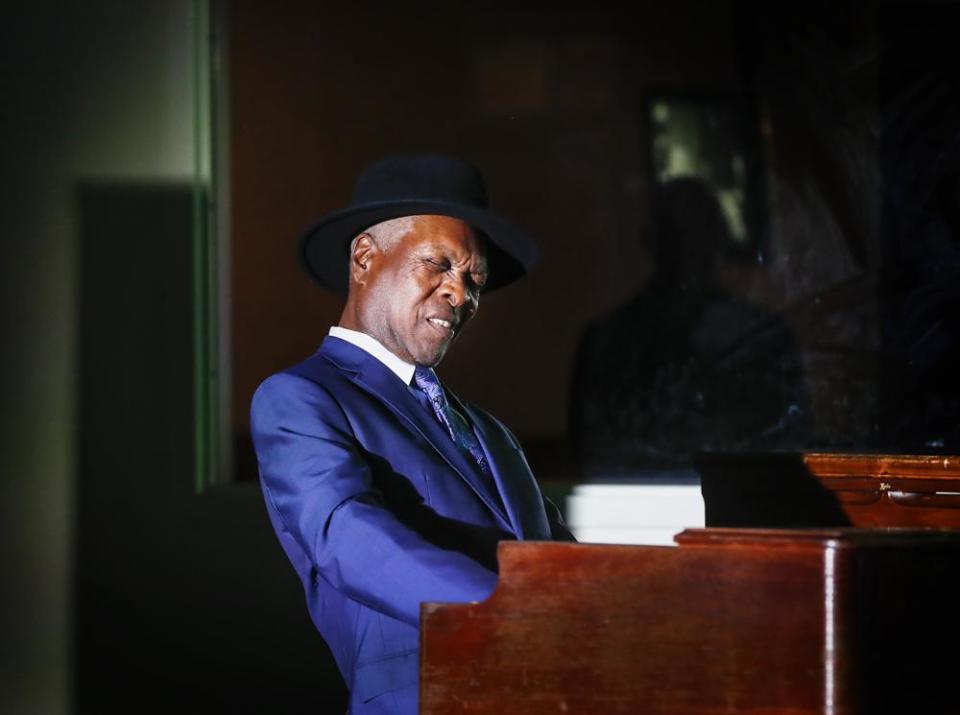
(421, 178)
(412, 185)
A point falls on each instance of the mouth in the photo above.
(447, 327)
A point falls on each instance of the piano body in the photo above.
(845, 617)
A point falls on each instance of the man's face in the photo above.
(423, 288)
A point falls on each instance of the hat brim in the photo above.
(324, 248)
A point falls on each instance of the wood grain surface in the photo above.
(731, 621)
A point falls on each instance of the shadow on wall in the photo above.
(182, 600)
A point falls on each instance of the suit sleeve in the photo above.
(321, 486)
(558, 528)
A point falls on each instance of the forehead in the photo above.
(445, 233)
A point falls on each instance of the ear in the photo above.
(362, 256)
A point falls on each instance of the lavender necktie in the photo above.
(460, 432)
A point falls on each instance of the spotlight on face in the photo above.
(421, 286)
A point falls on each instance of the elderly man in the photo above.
(384, 488)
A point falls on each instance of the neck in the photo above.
(350, 317)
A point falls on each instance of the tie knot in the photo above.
(426, 379)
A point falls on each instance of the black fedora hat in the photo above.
(410, 185)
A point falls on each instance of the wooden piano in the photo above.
(823, 617)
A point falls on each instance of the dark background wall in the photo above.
(853, 107)
(547, 100)
(125, 590)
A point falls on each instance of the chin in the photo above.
(431, 358)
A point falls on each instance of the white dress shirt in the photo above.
(398, 367)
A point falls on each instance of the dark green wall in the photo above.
(181, 599)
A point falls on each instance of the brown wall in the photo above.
(860, 177)
(547, 103)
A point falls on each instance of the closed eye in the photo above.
(475, 280)
(438, 264)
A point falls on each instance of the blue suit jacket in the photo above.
(379, 511)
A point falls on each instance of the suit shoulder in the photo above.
(315, 369)
(312, 383)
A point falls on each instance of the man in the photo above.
(385, 489)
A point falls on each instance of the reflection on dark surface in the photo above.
(685, 365)
(867, 153)
(919, 157)
(714, 139)
(857, 345)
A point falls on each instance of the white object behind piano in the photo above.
(648, 514)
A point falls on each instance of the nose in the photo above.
(458, 292)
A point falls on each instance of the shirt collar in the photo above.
(398, 367)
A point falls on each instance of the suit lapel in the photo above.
(374, 377)
(513, 477)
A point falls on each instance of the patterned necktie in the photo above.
(460, 432)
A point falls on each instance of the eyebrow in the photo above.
(443, 250)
